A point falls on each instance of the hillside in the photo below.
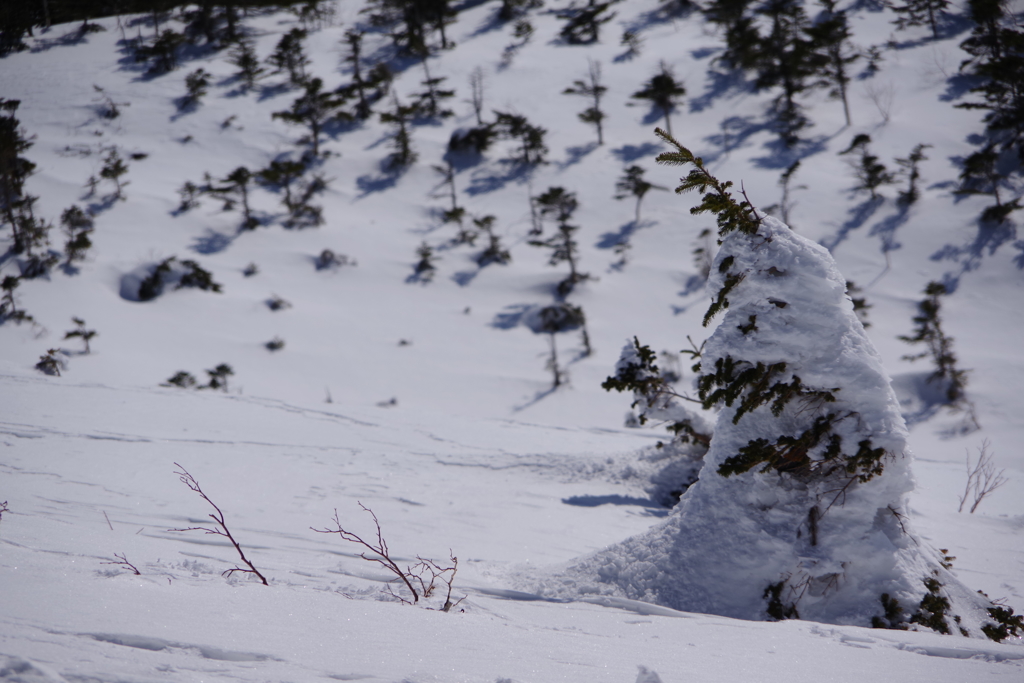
(428, 397)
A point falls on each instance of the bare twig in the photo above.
(108, 520)
(220, 530)
(3, 509)
(421, 579)
(982, 478)
(122, 561)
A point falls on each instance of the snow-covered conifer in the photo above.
(800, 510)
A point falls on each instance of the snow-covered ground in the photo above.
(476, 454)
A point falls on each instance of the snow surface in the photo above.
(475, 454)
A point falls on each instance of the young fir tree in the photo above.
(555, 319)
(113, 169)
(401, 116)
(800, 510)
(34, 234)
(742, 38)
(830, 38)
(14, 170)
(871, 173)
(531, 138)
(928, 331)
(558, 204)
(920, 12)
(235, 188)
(786, 60)
(196, 84)
(493, 252)
(593, 90)
(8, 305)
(632, 183)
(515, 9)
(219, 377)
(424, 269)
(981, 175)
(77, 225)
(290, 57)
(428, 102)
(81, 332)
(583, 23)
(912, 174)
(163, 52)
(456, 213)
(243, 57)
(366, 89)
(662, 91)
(314, 109)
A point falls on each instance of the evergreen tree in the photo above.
(662, 91)
(920, 12)
(493, 252)
(33, 235)
(219, 377)
(583, 24)
(428, 102)
(359, 86)
(243, 56)
(196, 84)
(281, 175)
(742, 39)
(77, 225)
(981, 175)
(551, 320)
(560, 205)
(401, 116)
(8, 306)
(928, 331)
(800, 510)
(113, 168)
(910, 170)
(594, 91)
(632, 183)
(514, 9)
(830, 38)
(786, 60)
(81, 332)
(235, 188)
(514, 126)
(424, 269)
(163, 51)
(290, 57)
(456, 213)
(871, 173)
(14, 169)
(314, 109)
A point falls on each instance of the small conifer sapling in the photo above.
(196, 84)
(871, 173)
(593, 90)
(219, 377)
(662, 91)
(77, 225)
(560, 205)
(113, 169)
(81, 332)
(632, 183)
(243, 57)
(401, 117)
(289, 57)
(909, 169)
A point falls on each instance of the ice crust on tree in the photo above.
(731, 537)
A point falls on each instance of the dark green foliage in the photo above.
(513, 9)
(14, 170)
(893, 615)
(786, 59)
(289, 57)
(243, 56)
(928, 331)
(314, 109)
(910, 170)
(195, 276)
(558, 203)
(776, 609)
(830, 40)
(871, 173)
(583, 24)
(235, 187)
(632, 183)
(77, 225)
(401, 116)
(531, 138)
(860, 304)
(478, 139)
(196, 84)
(275, 344)
(424, 269)
(8, 306)
(219, 377)
(81, 332)
(411, 21)
(643, 378)
(981, 175)
(561, 317)
(163, 52)
(428, 102)
(662, 91)
(741, 34)
(153, 284)
(919, 12)
(189, 194)
(1006, 624)
(113, 169)
(932, 611)
(493, 252)
(456, 213)
(594, 90)
(49, 363)
(365, 89)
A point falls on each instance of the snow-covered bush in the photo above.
(800, 510)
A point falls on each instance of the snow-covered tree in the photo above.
(800, 510)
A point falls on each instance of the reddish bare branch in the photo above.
(220, 530)
(122, 561)
(3, 509)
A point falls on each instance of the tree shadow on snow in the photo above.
(483, 183)
(718, 85)
(574, 155)
(610, 240)
(735, 131)
(858, 216)
(652, 508)
(211, 243)
(989, 238)
(628, 153)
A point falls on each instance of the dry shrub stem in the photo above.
(122, 561)
(220, 530)
(421, 578)
(982, 478)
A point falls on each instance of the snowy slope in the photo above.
(476, 454)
